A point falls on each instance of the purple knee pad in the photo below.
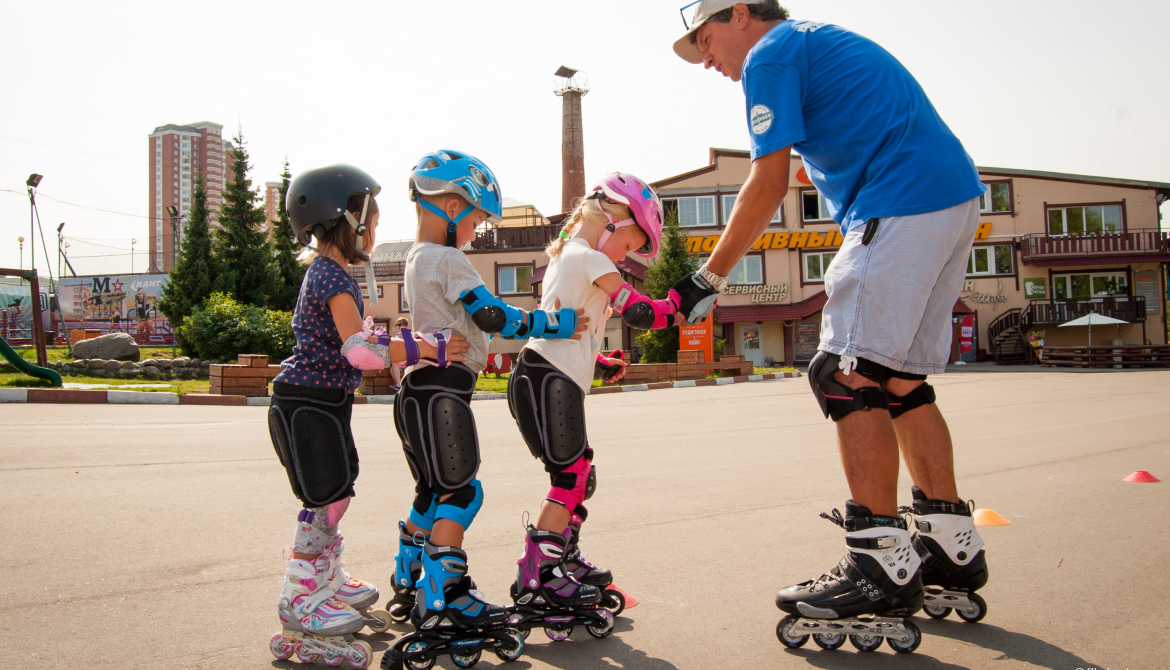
(572, 498)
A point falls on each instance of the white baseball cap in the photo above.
(683, 46)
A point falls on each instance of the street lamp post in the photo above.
(132, 243)
(173, 213)
(32, 182)
(59, 268)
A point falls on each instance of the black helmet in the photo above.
(317, 198)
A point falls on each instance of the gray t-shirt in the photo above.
(435, 278)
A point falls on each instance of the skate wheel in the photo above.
(419, 664)
(378, 621)
(361, 655)
(516, 640)
(466, 661)
(525, 633)
(558, 635)
(306, 657)
(784, 633)
(829, 641)
(907, 644)
(602, 630)
(282, 646)
(975, 611)
(936, 611)
(333, 661)
(614, 601)
(399, 613)
(866, 642)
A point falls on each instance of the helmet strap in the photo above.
(612, 226)
(359, 227)
(452, 224)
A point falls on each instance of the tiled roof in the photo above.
(961, 308)
(794, 312)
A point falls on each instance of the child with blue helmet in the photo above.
(454, 192)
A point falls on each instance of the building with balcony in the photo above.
(1050, 248)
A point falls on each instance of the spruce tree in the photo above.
(193, 275)
(245, 255)
(290, 273)
(672, 263)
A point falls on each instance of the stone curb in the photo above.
(116, 397)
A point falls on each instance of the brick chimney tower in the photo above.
(571, 86)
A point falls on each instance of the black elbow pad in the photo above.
(639, 315)
(489, 319)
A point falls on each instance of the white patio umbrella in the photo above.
(1091, 319)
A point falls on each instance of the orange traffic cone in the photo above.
(631, 601)
(1141, 477)
(989, 517)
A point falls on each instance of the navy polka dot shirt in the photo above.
(316, 360)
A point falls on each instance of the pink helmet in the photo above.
(623, 188)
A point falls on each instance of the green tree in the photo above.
(289, 272)
(193, 275)
(248, 273)
(672, 263)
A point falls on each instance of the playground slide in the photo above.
(28, 368)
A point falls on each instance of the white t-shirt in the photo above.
(570, 278)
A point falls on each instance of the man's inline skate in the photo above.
(868, 596)
(451, 618)
(545, 594)
(407, 569)
(354, 592)
(953, 563)
(316, 626)
(577, 565)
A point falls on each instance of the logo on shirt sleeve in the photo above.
(761, 119)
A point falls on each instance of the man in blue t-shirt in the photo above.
(906, 196)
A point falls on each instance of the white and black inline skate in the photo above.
(954, 566)
(316, 625)
(577, 565)
(870, 594)
(407, 569)
(451, 618)
(546, 596)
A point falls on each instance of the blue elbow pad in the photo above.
(493, 315)
(558, 325)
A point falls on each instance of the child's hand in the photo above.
(457, 347)
(620, 373)
(582, 320)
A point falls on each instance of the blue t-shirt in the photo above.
(316, 359)
(872, 143)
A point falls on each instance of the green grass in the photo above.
(61, 353)
(764, 371)
(180, 386)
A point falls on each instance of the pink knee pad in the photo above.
(571, 499)
(336, 511)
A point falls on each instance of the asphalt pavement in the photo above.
(152, 536)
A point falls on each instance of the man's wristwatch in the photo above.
(718, 283)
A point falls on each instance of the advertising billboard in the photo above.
(116, 304)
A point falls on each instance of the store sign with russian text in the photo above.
(804, 239)
(760, 293)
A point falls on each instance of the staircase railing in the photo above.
(1007, 320)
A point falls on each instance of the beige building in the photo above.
(1050, 248)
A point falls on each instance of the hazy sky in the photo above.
(1061, 86)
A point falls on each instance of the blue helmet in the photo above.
(446, 171)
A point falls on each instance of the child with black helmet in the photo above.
(309, 421)
(454, 193)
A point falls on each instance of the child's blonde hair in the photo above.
(589, 209)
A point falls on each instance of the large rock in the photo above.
(112, 366)
(115, 346)
(163, 364)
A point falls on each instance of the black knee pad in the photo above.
(433, 418)
(564, 419)
(313, 441)
(525, 410)
(456, 445)
(923, 394)
(837, 400)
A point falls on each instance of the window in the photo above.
(403, 305)
(749, 270)
(698, 211)
(729, 204)
(1089, 220)
(1086, 286)
(997, 199)
(817, 264)
(996, 260)
(514, 280)
(814, 207)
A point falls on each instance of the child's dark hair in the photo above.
(344, 238)
(764, 10)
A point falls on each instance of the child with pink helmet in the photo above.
(556, 588)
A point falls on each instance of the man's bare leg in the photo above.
(869, 453)
(925, 443)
